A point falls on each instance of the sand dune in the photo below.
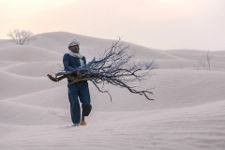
(175, 88)
(49, 98)
(28, 54)
(93, 47)
(188, 112)
(15, 85)
(165, 82)
(195, 128)
(5, 63)
(27, 115)
(6, 43)
(198, 55)
(35, 69)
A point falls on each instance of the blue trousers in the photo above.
(80, 90)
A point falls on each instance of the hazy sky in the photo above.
(163, 24)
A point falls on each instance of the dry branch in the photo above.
(114, 67)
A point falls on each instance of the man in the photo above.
(72, 60)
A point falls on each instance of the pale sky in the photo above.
(161, 24)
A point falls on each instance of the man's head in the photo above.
(74, 46)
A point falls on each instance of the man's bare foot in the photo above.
(83, 123)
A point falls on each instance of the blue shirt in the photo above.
(71, 63)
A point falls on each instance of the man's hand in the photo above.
(78, 74)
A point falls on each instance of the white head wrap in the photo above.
(74, 42)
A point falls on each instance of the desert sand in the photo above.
(188, 112)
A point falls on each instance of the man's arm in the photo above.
(67, 67)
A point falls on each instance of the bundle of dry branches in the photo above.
(114, 67)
